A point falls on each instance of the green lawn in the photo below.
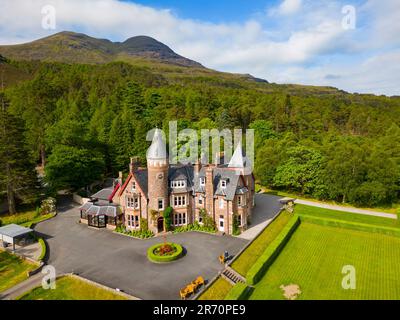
(25, 218)
(245, 261)
(315, 256)
(12, 270)
(217, 291)
(390, 208)
(70, 288)
(345, 216)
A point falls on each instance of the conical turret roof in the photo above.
(238, 160)
(158, 148)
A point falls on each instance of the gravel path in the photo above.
(347, 209)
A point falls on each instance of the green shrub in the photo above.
(144, 226)
(262, 264)
(239, 292)
(168, 218)
(208, 221)
(48, 206)
(44, 249)
(167, 258)
(235, 226)
(194, 227)
(141, 234)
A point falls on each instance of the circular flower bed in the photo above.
(165, 252)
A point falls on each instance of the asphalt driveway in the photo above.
(120, 262)
(267, 207)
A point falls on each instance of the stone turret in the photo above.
(157, 165)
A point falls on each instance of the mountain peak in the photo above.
(71, 47)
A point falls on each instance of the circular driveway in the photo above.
(118, 261)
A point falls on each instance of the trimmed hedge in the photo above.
(44, 249)
(239, 292)
(258, 270)
(138, 234)
(194, 227)
(154, 258)
(351, 225)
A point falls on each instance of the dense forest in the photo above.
(84, 122)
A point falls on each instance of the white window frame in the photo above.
(158, 203)
(179, 201)
(133, 221)
(223, 184)
(132, 202)
(178, 184)
(180, 219)
(240, 220)
(200, 200)
(133, 185)
(221, 219)
(202, 181)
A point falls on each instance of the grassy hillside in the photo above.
(70, 47)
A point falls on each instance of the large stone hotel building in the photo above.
(223, 191)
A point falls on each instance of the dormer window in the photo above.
(223, 184)
(202, 182)
(178, 184)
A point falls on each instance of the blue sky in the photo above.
(216, 11)
(283, 41)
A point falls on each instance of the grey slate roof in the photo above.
(98, 210)
(141, 178)
(14, 230)
(186, 172)
(103, 194)
(221, 173)
(181, 172)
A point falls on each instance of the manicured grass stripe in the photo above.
(217, 291)
(239, 292)
(245, 261)
(395, 232)
(315, 256)
(345, 216)
(257, 271)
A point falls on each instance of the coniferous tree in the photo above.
(17, 171)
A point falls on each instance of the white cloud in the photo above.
(310, 42)
(287, 7)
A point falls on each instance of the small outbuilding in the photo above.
(14, 234)
(101, 215)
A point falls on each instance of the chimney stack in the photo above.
(210, 190)
(134, 164)
(197, 167)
